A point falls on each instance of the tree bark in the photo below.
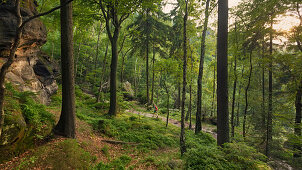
(269, 127)
(147, 59)
(113, 70)
(214, 92)
(190, 90)
(66, 124)
(168, 107)
(234, 87)
(102, 74)
(97, 52)
(153, 75)
(182, 131)
(246, 97)
(297, 130)
(263, 92)
(198, 125)
(222, 74)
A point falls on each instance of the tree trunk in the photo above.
(234, 87)
(246, 97)
(102, 74)
(263, 92)
(168, 107)
(298, 105)
(269, 127)
(97, 52)
(222, 74)
(238, 107)
(182, 131)
(214, 92)
(122, 69)
(113, 70)
(190, 90)
(178, 100)
(233, 100)
(198, 126)
(77, 60)
(147, 60)
(135, 79)
(153, 75)
(66, 124)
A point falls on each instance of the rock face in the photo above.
(129, 93)
(32, 70)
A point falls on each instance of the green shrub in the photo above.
(63, 155)
(119, 163)
(245, 157)
(206, 157)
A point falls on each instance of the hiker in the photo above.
(155, 110)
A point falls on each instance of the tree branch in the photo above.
(44, 13)
(106, 16)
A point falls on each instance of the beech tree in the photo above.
(66, 124)
(222, 74)
(115, 12)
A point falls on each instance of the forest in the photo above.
(151, 84)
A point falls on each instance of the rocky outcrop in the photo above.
(128, 91)
(32, 70)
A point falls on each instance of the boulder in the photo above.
(32, 71)
(129, 93)
(14, 129)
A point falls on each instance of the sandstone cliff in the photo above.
(32, 70)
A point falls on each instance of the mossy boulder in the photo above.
(14, 128)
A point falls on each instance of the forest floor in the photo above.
(91, 148)
(205, 128)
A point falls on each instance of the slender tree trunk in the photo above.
(178, 100)
(157, 92)
(147, 59)
(66, 124)
(298, 105)
(102, 74)
(269, 127)
(198, 125)
(234, 86)
(222, 74)
(153, 75)
(77, 59)
(190, 89)
(182, 131)
(214, 92)
(135, 83)
(122, 69)
(190, 104)
(238, 107)
(168, 107)
(97, 52)
(263, 92)
(246, 97)
(234, 99)
(147, 73)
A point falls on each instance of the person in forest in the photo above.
(155, 110)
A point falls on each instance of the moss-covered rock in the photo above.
(14, 128)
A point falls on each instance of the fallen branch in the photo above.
(119, 142)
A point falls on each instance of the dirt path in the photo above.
(177, 123)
